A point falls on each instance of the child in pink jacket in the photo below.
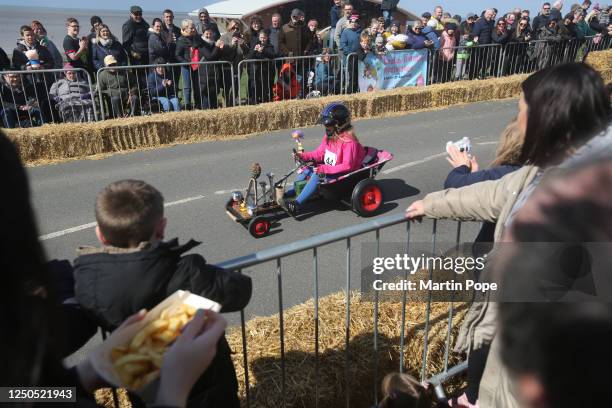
(339, 153)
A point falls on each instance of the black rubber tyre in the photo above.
(367, 198)
(259, 227)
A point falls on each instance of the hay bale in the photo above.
(600, 60)
(69, 141)
(263, 336)
(264, 350)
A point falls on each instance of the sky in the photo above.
(455, 7)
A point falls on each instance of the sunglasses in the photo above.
(138, 13)
(523, 25)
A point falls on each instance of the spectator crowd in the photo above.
(272, 60)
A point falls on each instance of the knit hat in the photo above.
(471, 15)
(109, 59)
(68, 66)
(296, 12)
(135, 9)
(450, 26)
(202, 11)
(426, 15)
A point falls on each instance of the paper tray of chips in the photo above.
(143, 344)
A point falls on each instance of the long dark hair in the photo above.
(568, 104)
(25, 300)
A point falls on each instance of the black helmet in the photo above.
(336, 114)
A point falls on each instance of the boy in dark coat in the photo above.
(135, 269)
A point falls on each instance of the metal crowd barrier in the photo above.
(460, 63)
(597, 43)
(289, 78)
(141, 90)
(276, 255)
(32, 98)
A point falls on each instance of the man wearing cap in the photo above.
(115, 87)
(467, 26)
(295, 37)
(206, 22)
(136, 37)
(343, 22)
(349, 44)
(425, 17)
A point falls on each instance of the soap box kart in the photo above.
(259, 205)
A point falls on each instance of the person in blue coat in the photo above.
(162, 87)
(466, 170)
(432, 36)
(421, 36)
(349, 44)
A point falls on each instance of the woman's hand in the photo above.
(473, 164)
(189, 357)
(415, 211)
(457, 158)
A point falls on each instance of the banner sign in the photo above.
(393, 70)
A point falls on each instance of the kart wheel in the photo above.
(367, 197)
(259, 227)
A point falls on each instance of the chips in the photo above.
(139, 362)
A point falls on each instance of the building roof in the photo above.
(243, 8)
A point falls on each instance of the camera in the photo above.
(463, 145)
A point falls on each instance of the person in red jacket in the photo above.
(287, 86)
(339, 153)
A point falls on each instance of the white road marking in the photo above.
(67, 231)
(184, 200)
(78, 228)
(414, 163)
(222, 192)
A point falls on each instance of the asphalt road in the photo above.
(196, 181)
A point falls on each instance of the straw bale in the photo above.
(68, 141)
(263, 339)
(600, 60)
(263, 336)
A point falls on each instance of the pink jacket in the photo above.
(341, 156)
(447, 52)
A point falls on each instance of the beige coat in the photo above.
(486, 201)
